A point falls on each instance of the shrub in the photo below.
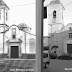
(65, 57)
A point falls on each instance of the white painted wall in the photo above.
(59, 15)
(19, 35)
(3, 15)
(56, 23)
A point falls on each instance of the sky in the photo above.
(24, 11)
(67, 14)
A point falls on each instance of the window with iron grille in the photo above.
(70, 35)
(13, 33)
(54, 14)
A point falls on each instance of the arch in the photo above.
(10, 27)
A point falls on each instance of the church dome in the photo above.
(68, 26)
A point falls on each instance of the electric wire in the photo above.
(23, 4)
(61, 8)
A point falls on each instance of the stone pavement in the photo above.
(59, 66)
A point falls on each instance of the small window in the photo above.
(45, 12)
(70, 28)
(70, 35)
(54, 14)
(14, 36)
(6, 16)
(13, 33)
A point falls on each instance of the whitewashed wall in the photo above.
(19, 34)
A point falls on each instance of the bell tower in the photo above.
(3, 24)
(55, 15)
(3, 12)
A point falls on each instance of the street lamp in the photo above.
(52, 32)
(50, 38)
(24, 29)
(25, 36)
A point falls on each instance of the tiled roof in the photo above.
(2, 3)
(53, 2)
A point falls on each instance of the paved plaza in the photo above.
(59, 66)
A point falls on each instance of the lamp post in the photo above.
(25, 37)
(50, 37)
(24, 29)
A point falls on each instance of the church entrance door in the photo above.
(14, 52)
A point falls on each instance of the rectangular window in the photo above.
(70, 35)
(54, 14)
(13, 33)
(14, 36)
(45, 12)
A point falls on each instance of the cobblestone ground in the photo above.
(59, 66)
(17, 65)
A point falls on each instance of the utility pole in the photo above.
(39, 36)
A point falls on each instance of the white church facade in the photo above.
(14, 41)
(59, 35)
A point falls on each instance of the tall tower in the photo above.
(55, 15)
(3, 24)
(3, 12)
